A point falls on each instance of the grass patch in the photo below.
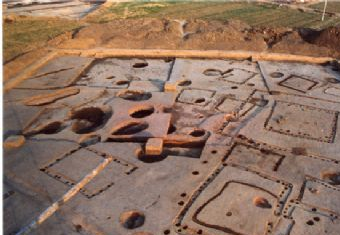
(28, 33)
(254, 14)
(333, 7)
(129, 10)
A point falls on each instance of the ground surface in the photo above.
(172, 146)
(269, 21)
(25, 34)
(66, 9)
(190, 146)
(333, 6)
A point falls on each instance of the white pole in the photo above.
(67, 196)
(324, 11)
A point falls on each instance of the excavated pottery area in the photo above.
(196, 146)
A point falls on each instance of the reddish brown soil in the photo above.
(329, 37)
(205, 35)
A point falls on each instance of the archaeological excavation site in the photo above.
(181, 128)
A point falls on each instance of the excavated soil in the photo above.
(205, 35)
(191, 34)
(329, 37)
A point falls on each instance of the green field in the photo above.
(28, 33)
(331, 6)
(255, 14)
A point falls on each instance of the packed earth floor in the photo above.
(173, 146)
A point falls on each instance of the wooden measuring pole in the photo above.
(324, 11)
(67, 196)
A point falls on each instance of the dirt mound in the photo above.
(270, 35)
(170, 34)
(293, 43)
(141, 33)
(151, 33)
(216, 35)
(329, 37)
